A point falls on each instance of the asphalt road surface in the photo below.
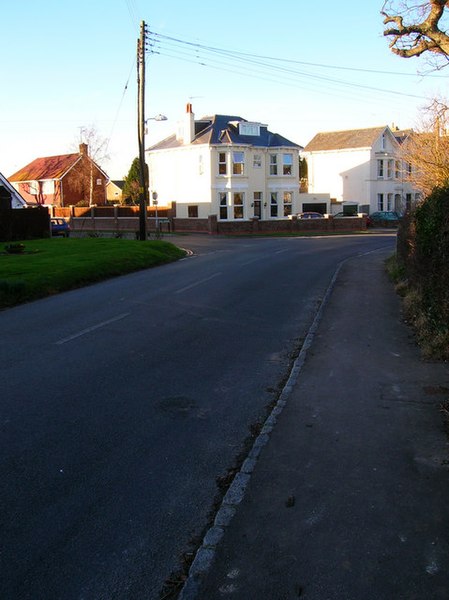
(123, 402)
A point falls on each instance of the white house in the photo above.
(360, 167)
(10, 194)
(230, 167)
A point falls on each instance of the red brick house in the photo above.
(64, 180)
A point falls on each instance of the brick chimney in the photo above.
(84, 149)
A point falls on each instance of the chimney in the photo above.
(189, 125)
(84, 149)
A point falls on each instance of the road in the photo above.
(123, 402)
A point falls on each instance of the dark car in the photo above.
(340, 215)
(310, 215)
(59, 226)
(383, 218)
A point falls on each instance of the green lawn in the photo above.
(54, 265)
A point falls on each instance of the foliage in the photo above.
(55, 265)
(426, 149)
(132, 187)
(423, 252)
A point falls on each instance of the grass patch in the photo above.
(49, 266)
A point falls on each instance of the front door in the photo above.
(258, 208)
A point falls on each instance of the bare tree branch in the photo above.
(416, 27)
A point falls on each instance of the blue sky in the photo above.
(314, 66)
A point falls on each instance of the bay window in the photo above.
(238, 205)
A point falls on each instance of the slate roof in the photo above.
(50, 167)
(340, 140)
(223, 129)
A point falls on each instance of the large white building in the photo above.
(227, 166)
(361, 168)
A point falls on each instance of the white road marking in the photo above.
(192, 285)
(93, 328)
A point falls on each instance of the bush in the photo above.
(423, 252)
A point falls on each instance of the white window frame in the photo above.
(223, 205)
(273, 164)
(238, 162)
(287, 164)
(222, 163)
(257, 161)
(274, 205)
(380, 202)
(380, 168)
(238, 203)
(389, 168)
(288, 203)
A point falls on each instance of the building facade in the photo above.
(360, 167)
(62, 180)
(227, 166)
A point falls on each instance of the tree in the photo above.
(97, 150)
(426, 149)
(418, 28)
(132, 187)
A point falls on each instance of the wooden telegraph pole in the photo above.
(143, 197)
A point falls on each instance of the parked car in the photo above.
(310, 215)
(339, 215)
(60, 226)
(383, 218)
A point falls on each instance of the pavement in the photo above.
(345, 494)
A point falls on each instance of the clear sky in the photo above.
(314, 66)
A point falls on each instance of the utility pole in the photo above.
(143, 197)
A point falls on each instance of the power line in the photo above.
(209, 56)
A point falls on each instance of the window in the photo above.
(409, 169)
(397, 169)
(287, 203)
(257, 161)
(408, 201)
(380, 201)
(287, 164)
(273, 164)
(222, 170)
(99, 181)
(247, 128)
(48, 187)
(192, 211)
(238, 205)
(382, 142)
(32, 187)
(223, 202)
(389, 169)
(237, 163)
(389, 201)
(258, 204)
(274, 204)
(380, 168)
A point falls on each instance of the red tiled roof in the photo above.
(50, 167)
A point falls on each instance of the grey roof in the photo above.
(223, 129)
(339, 140)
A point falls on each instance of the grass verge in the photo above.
(432, 336)
(50, 266)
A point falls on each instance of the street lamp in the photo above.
(158, 117)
